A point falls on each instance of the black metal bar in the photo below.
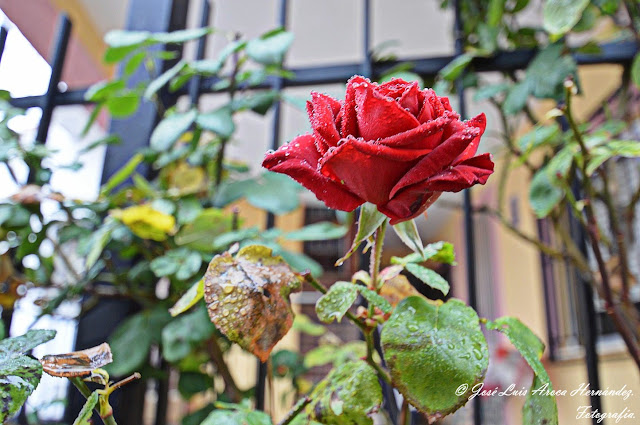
(613, 53)
(468, 205)
(548, 285)
(276, 84)
(96, 325)
(194, 84)
(586, 312)
(3, 40)
(57, 63)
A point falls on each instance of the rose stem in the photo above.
(86, 392)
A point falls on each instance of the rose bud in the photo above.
(389, 144)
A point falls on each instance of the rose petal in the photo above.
(380, 116)
(368, 169)
(347, 116)
(299, 160)
(409, 203)
(410, 99)
(479, 122)
(426, 136)
(431, 107)
(464, 175)
(440, 158)
(322, 112)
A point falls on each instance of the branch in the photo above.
(215, 352)
(592, 230)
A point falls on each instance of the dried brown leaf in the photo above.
(247, 297)
(78, 363)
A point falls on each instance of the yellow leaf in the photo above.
(146, 222)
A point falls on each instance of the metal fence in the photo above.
(170, 15)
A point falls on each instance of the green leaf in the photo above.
(84, 417)
(540, 135)
(12, 348)
(336, 302)
(122, 174)
(170, 129)
(188, 210)
(441, 251)
(635, 70)
(375, 299)
(612, 149)
(219, 121)
(276, 193)
(180, 36)
(408, 233)
(525, 341)
(19, 377)
(516, 98)
(99, 241)
(123, 105)
(202, 232)
(540, 408)
(134, 63)
(132, 339)
(495, 12)
(184, 333)
(454, 68)
(429, 277)
(302, 323)
(188, 299)
(19, 374)
(369, 221)
(547, 72)
(560, 16)
(103, 89)
(544, 195)
(488, 91)
(321, 231)
(155, 85)
(191, 383)
(270, 48)
(120, 38)
(181, 262)
(431, 350)
(259, 103)
(348, 395)
(301, 262)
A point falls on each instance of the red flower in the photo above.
(392, 144)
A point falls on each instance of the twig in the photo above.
(232, 91)
(617, 234)
(405, 413)
(86, 392)
(592, 230)
(215, 352)
(297, 409)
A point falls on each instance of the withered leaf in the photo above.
(397, 289)
(247, 297)
(77, 363)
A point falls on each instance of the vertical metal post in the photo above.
(3, 40)
(587, 327)
(468, 206)
(261, 377)
(57, 63)
(194, 84)
(586, 312)
(98, 323)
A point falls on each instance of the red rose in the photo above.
(392, 144)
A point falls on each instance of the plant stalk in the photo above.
(86, 392)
